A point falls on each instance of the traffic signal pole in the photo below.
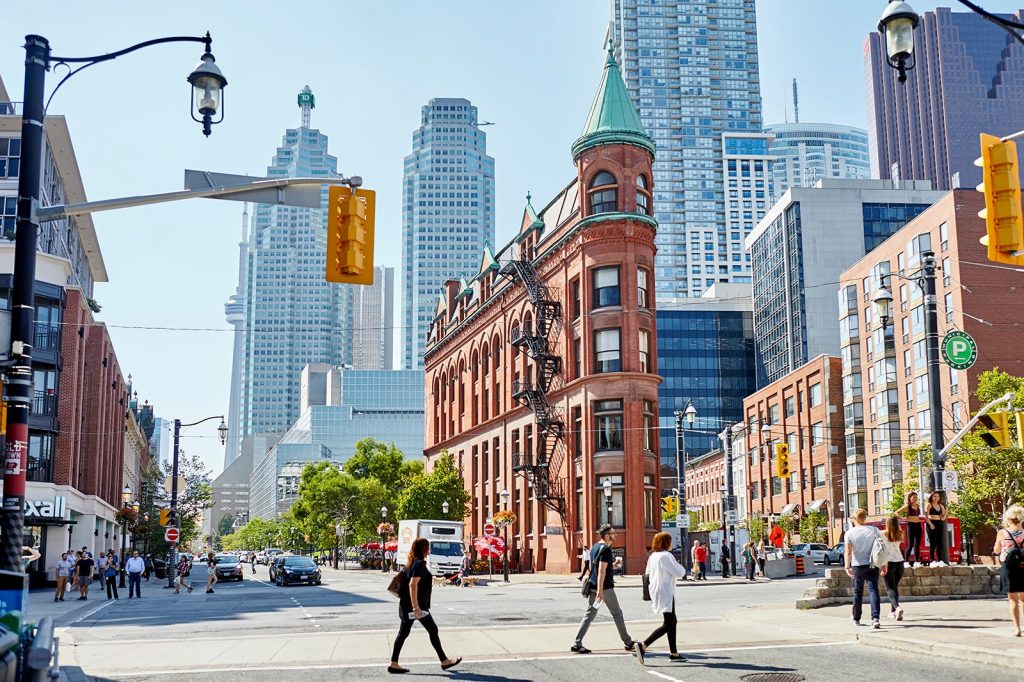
(931, 335)
(171, 558)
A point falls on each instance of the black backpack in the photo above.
(1014, 560)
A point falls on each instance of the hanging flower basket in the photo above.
(385, 528)
(505, 518)
(126, 516)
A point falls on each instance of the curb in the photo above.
(992, 657)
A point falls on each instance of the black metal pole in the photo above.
(383, 561)
(504, 551)
(730, 495)
(124, 533)
(19, 376)
(337, 544)
(931, 334)
(174, 503)
(684, 551)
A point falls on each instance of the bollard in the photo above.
(40, 651)
(799, 565)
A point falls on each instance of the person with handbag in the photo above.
(110, 575)
(748, 560)
(1009, 546)
(414, 585)
(865, 558)
(599, 589)
(660, 589)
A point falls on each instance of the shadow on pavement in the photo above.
(481, 677)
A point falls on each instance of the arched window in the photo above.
(603, 193)
(643, 196)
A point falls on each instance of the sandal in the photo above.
(452, 664)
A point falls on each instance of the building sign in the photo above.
(959, 350)
(46, 509)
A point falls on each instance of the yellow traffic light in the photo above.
(782, 459)
(3, 418)
(350, 220)
(1000, 183)
(1020, 429)
(165, 517)
(669, 506)
(997, 429)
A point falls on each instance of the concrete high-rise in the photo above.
(969, 77)
(691, 68)
(447, 212)
(807, 152)
(292, 315)
(373, 322)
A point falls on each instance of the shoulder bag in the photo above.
(879, 555)
(590, 584)
(397, 584)
(646, 582)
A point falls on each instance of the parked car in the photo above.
(811, 550)
(296, 569)
(835, 555)
(228, 567)
(274, 564)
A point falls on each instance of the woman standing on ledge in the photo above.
(937, 514)
(911, 511)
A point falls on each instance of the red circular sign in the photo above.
(490, 529)
(171, 535)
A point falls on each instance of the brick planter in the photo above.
(954, 582)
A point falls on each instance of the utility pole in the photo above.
(730, 500)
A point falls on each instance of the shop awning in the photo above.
(816, 505)
(790, 508)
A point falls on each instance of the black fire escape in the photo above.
(540, 466)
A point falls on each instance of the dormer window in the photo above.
(643, 195)
(603, 193)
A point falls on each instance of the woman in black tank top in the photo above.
(911, 511)
(937, 528)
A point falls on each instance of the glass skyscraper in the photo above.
(292, 315)
(807, 152)
(691, 68)
(447, 212)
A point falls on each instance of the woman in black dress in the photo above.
(414, 605)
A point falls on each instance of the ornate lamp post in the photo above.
(126, 503)
(383, 538)
(690, 415)
(504, 536)
(897, 28)
(444, 509)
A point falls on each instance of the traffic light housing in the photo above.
(350, 221)
(668, 506)
(782, 459)
(997, 429)
(1000, 183)
(165, 517)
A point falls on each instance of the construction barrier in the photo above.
(799, 565)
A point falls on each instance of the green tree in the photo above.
(756, 527)
(814, 527)
(425, 495)
(328, 496)
(224, 525)
(197, 496)
(383, 462)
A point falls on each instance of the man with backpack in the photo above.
(600, 589)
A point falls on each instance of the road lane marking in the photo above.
(90, 613)
(663, 676)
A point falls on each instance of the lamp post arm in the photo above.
(97, 59)
(216, 416)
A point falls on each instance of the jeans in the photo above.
(892, 583)
(862, 574)
(612, 602)
(750, 570)
(405, 628)
(111, 586)
(667, 628)
(134, 585)
(703, 570)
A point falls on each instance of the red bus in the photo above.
(954, 539)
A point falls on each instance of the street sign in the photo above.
(959, 350)
(171, 534)
(947, 480)
(490, 530)
(731, 517)
(683, 521)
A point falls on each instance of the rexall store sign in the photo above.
(46, 509)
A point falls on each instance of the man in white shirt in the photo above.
(101, 566)
(135, 566)
(859, 542)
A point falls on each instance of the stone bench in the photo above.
(952, 582)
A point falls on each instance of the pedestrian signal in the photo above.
(997, 429)
(350, 220)
(165, 517)
(782, 459)
(1000, 183)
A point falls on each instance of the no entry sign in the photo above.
(171, 534)
(490, 530)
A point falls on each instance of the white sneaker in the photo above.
(899, 613)
(907, 564)
(875, 625)
(941, 564)
(934, 564)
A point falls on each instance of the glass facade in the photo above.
(707, 357)
(807, 152)
(881, 221)
(691, 67)
(447, 212)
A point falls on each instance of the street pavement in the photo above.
(516, 631)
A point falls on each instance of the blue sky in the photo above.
(530, 66)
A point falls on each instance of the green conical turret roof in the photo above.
(613, 118)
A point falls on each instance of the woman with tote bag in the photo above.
(662, 572)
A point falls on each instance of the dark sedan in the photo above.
(229, 567)
(296, 569)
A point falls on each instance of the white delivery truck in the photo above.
(446, 543)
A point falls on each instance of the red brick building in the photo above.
(803, 409)
(705, 480)
(885, 369)
(541, 372)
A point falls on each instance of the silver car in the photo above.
(811, 550)
(835, 555)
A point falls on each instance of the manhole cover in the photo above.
(773, 677)
(509, 618)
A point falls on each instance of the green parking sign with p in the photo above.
(959, 350)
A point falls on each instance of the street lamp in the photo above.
(339, 530)
(126, 502)
(222, 432)
(39, 60)
(608, 499)
(925, 280)
(208, 83)
(690, 415)
(504, 535)
(444, 509)
(897, 28)
(383, 520)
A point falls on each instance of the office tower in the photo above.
(798, 252)
(373, 322)
(969, 77)
(447, 212)
(234, 313)
(806, 152)
(292, 315)
(692, 71)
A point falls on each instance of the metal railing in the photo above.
(47, 336)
